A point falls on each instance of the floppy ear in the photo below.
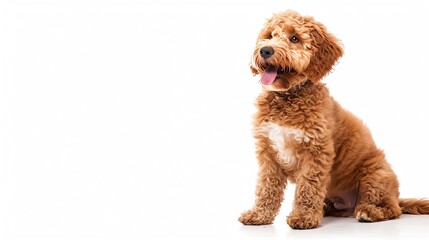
(327, 52)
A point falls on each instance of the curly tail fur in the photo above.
(414, 206)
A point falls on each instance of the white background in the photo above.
(132, 119)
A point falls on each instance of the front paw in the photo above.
(254, 217)
(303, 221)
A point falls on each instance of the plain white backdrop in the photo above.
(132, 119)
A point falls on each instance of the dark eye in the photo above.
(294, 39)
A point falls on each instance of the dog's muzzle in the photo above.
(266, 52)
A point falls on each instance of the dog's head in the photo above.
(292, 49)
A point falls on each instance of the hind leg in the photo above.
(330, 210)
(378, 193)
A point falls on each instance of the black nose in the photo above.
(266, 52)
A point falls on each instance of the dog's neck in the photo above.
(296, 90)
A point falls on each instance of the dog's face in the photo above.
(292, 49)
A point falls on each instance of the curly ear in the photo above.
(327, 52)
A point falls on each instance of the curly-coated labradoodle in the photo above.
(305, 137)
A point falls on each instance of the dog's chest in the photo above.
(284, 140)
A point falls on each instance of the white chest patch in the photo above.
(281, 138)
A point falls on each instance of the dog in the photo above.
(304, 136)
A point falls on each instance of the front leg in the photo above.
(310, 191)
(269, 189)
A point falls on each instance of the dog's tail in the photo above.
(414, 206)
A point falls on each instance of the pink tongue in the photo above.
(268, 77)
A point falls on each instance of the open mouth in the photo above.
(270, 73)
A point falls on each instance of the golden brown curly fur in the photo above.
(305, 137)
